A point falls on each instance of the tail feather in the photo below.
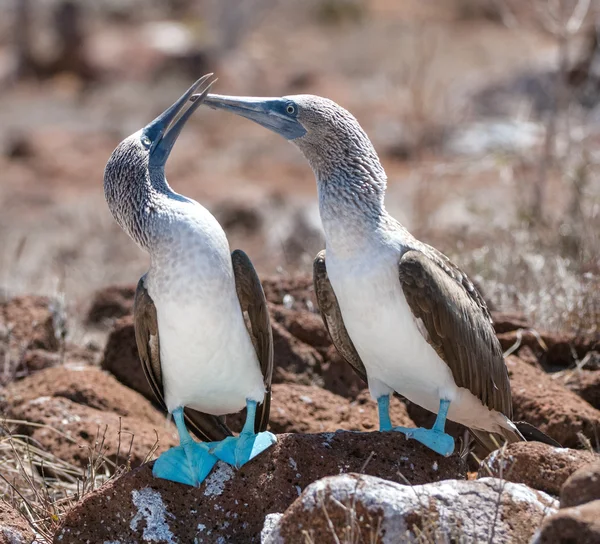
(519, 431)
(533, 434)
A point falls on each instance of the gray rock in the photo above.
(359, 508)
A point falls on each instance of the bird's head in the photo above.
(148, 149)
(327, 134)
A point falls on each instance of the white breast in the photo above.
(208, 360)
(386, 335)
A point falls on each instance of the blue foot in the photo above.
(189, 463)
(238, 450)
(438, 441)
(434, 438)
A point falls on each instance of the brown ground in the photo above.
(431, 83)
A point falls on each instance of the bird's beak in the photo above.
(268, 112)
(162, 139)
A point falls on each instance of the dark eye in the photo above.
(290, 108)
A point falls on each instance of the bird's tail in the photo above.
(519, 431)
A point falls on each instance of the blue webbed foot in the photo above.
(438, 441)
(434, 438)
(238, 450)
(189, 464)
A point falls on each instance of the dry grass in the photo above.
(43, 487)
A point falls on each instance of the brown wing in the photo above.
(458, 328)
(332, 316)
(252, 300)
(205, 426)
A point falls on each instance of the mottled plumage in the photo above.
(398, 310)
(200, 359)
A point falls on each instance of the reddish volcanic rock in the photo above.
(14, 529)
(112, 302)
(83, 384)
(358, 508)
(339, 377)
(28, 322)
(306, 326)
(31, 321)
(296, 292)
(38, 359)
(295, 361)
(310, 409)
(557, 349)
(509, 321)
(121, 358)
(586, 384)
(76, 433)
(79, 406)
(541, 401)
(232, 505)
(582, 486)
(578, 524)
(535, 464)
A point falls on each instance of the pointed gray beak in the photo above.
(268, 112)
(162, 133)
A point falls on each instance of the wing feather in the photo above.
(458, 326)
(253, 301)
(332, 316)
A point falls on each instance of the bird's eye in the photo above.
(146, 141)
(290, 109)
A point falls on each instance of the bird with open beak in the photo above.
(199, 357)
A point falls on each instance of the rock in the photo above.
(339, 377)
(557, 349)
(121, 358)
(541, 401)
(14, 529)
(358, 508)
(582, 486)
(306, 326)
(111, 303)
(535, 464)
(83, 410)
(83, 384)
(232, 505)
(38, 359)
(295, 361)
(509, 321)
(586, 384)
(310, 409)
(79, 434)
(578, 524)
(295, 293)
(28, 322)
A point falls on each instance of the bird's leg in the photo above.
(189, 463)
(383, 407)
(434, 438)
(238, 450)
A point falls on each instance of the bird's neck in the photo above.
(351, 202)
(137, 203)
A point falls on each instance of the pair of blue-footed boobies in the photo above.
(406, 318)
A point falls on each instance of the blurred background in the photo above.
(485, 114)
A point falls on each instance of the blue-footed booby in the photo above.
(406, 318)
(199, 357)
